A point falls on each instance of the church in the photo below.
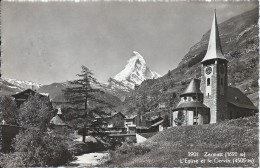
(210, 99)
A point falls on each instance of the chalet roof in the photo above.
(28, 92)
(193, 87)
(44, 94)
(118, 113)
(130, 117)
(214, 50)
(158, 123)
(56, 120)
(192, 104)
(142, 127)
(155, 117)
(237, 98)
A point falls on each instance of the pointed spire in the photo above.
(214, 46)
(193, 87)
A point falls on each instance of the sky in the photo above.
(48, 42)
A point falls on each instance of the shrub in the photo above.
(36, 148)
(10, 160)
(254, 83)
(34, 145)
(36, 112)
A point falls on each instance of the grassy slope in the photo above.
(168, 147)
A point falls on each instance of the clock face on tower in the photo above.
(208, 70)
(221, 69)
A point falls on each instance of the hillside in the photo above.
(166, 148)
(239, 39)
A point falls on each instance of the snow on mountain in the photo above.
(135, 72)
(23, 84)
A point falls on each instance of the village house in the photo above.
(132, 120)
(210, 99)
(21, 97)
(116, 120)
(57, 124)
(130, 124)
(114, 123)
(149, 124)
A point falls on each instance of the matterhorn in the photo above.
(135, 72)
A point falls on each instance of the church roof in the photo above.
(191, 104)
(214, 50)
(193, 87)
(237, 98)
(57, 121)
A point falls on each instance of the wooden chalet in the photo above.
(23, 96)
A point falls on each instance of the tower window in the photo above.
(221, 81)
(208, 82)
(195, 117)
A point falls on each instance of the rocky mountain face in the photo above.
(134, 73)
(239, 39)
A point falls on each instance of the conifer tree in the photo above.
(35, 113)
(8, 110)
(80, 92)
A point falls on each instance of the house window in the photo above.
(185, 98)
(208, 82)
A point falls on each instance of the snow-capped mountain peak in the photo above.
(21, 84)
(135, 71)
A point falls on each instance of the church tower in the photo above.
(214, 76)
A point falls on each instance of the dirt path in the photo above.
(91, 159)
